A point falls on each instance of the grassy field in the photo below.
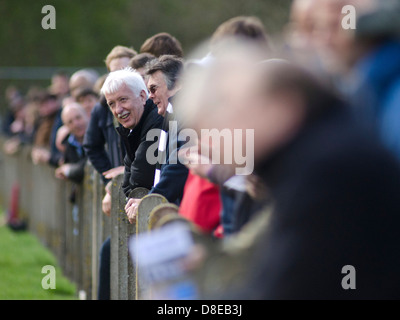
(22, 258)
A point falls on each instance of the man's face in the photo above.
(88, 102)
(118, 63)
(159, 92)
(76, 121)
(60, 85)
(126, 107)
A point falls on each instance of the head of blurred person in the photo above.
(377, 25)
(119, 58)
(48, 105)
(274, 98)
(60, 84)
(300, 28)
(139, 63)
(75, 119)
(242, 27)
(161, 44)
(87, 98)
(163, 80)
(81, 79)
(14, 98)
(334, 43)
(126, 94)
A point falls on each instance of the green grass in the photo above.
(22, 258)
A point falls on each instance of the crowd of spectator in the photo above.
(323, 106)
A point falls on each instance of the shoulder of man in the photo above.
(153, 119)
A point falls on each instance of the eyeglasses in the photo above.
(153, 89)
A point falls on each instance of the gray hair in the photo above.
(90, 75)
(170, 66)
(127, 76)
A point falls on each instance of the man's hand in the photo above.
(112, 173)
(40, 155)
(131, 209)
(106, 204)
(196, 162)
(62, 172)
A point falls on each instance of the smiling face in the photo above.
(159, 92)
(74, 117)
(126, 107)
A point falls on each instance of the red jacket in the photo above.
(201, 204)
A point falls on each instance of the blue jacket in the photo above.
(376, 96)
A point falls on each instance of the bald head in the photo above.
(75, 118)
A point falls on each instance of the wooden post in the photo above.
(122, 279)
(97, 229)
(86, 231)
(146, 205)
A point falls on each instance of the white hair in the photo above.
(127, 76)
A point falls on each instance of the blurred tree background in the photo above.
(87, 30)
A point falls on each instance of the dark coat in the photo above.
(336, 202)
(102, 143)
(75, 156)
(45, 135)
(173, 174)
(138, 171)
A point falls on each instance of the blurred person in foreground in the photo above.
(299, 34)
(368, 57)
(333, 186)
(211, 186)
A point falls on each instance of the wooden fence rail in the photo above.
(76, 230)
(73, 230)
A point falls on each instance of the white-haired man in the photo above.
(127, 97)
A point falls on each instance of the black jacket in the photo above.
(102, 143)
(336, 203)
(173, 173)
(77, 159)
(138, 171)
